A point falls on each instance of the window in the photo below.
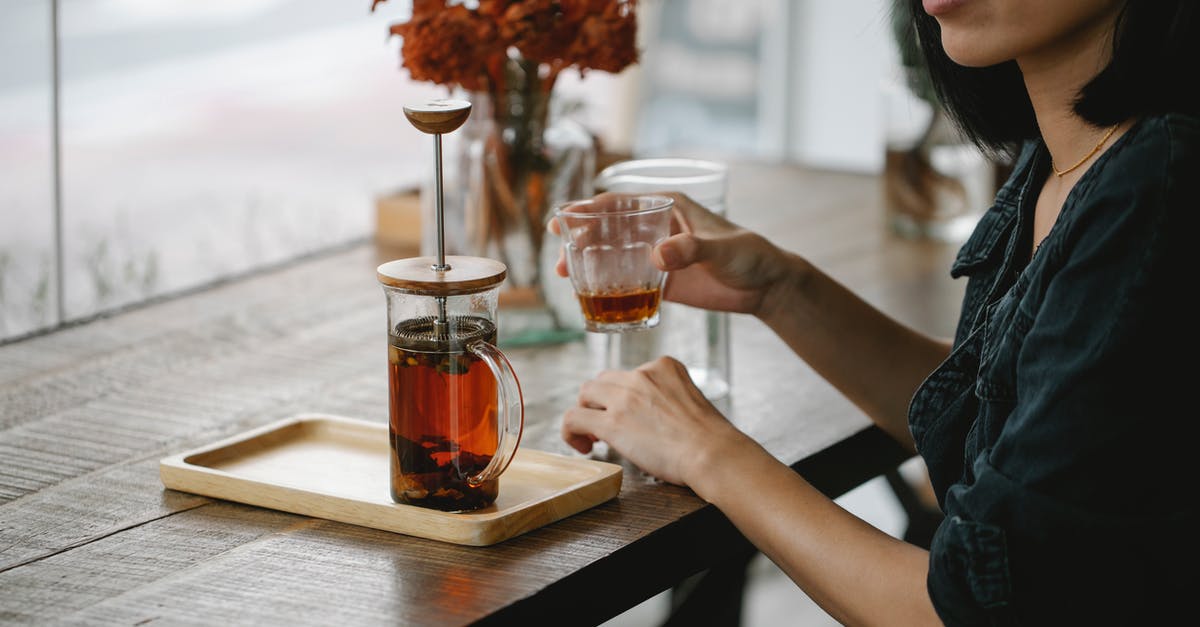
(195, 141)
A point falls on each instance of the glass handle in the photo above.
(511, 414)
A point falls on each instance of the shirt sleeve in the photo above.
(1083, 509)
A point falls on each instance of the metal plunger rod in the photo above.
(440, 216)
(438, 117)
(440, 207)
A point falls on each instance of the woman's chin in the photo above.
(971, 51)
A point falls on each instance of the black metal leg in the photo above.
(712, 597)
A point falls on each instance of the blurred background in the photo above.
(148, 148)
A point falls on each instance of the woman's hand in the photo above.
(714, 263)
(655, 417)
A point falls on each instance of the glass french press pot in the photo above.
(455, 405)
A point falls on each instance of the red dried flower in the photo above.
(449, 44)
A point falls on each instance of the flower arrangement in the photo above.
(450, 43)
(508, 54)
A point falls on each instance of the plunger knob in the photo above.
(438, 117)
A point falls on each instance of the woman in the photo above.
(1054, 433)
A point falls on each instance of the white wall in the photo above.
(839, 51)
(808, 91)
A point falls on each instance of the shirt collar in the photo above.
(988, 239)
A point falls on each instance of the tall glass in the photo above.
(696, 337)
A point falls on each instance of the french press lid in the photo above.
(466, 275)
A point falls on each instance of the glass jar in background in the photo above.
(696, 337)
(518, 156)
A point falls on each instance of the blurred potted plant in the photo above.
(516, 160)
(935, 182)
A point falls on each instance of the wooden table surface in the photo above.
(89, 535)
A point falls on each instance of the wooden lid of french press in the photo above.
(437, 117)
(467, 275)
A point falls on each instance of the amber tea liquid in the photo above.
(443, 405)
(632, 305)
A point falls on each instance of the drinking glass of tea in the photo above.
(607, 242)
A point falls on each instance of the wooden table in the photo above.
(89, 535)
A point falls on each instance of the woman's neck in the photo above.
(1053, 76)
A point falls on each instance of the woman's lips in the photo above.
(941, 7)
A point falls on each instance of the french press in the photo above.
(455, 405)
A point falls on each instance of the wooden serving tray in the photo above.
(337, 468)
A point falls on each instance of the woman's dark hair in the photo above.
(1155, 68)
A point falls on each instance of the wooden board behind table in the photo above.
(88, 534)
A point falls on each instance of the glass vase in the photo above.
(517, 156)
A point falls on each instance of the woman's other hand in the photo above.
(655, 417)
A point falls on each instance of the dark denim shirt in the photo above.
(1060, 432)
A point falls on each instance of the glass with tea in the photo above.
(607, 242)
(455, 405)
(699, 338)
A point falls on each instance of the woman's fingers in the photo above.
(664, 370)
(731, 255)
(560, 266)
(605, 389)
(693, 217)
(675, 252)
(653, 415)
(582, 427)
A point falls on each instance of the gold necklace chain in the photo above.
(1061, 173)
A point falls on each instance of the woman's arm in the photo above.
(657, 419)
(857, 573)
(869, 357)
(872, 359)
